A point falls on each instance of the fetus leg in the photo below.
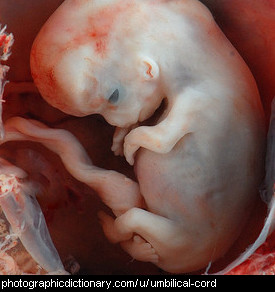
(144, 235)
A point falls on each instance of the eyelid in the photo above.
(114, 97)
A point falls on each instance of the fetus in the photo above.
(199, 166)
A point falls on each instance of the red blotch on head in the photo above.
(96, 33)
(99, 31)
(101, 47)
(51, 86)
(99, 28)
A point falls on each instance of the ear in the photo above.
(150, 68)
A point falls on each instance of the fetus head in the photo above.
(85, 61)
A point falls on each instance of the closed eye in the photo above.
(114, 97)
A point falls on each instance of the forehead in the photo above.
(96, 25)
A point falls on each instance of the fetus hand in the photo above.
(118, 139)
(145, 137)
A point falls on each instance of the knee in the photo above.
(130, 218)
(131, 214)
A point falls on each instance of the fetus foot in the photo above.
(140, 250)
(151, 238)
(135, 245)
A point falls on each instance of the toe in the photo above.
(138, 239)
(154, 259)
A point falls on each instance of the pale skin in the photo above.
(199, 167)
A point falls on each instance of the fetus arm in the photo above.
(162, 137)
(27, 220)
(116, 190)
